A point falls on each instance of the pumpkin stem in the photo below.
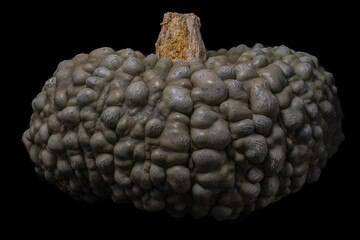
(180, 38)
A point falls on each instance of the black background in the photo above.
(41, 35)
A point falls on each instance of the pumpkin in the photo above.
(186, 130)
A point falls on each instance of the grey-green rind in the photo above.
(221, 138)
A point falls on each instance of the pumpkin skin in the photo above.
(221, 138)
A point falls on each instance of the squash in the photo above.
(186, 130)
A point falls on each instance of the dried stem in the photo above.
(180, 38)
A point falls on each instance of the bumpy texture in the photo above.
(220, 138)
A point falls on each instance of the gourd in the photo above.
(186, 130)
